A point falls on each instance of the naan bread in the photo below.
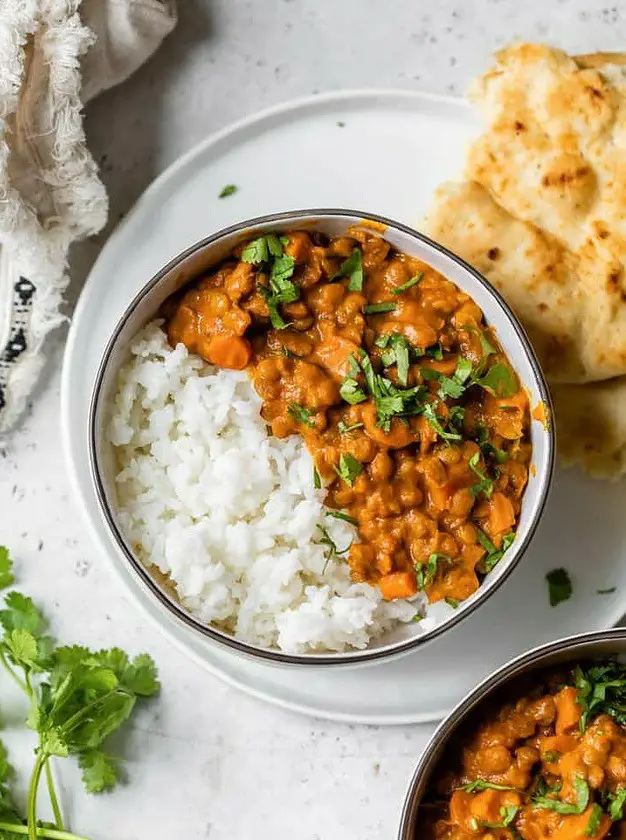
(548, 191)
(591, 426)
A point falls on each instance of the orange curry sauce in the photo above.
(417, 424)
(549, 764)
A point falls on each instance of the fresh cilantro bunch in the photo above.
(77, 698)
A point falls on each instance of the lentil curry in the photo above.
(550, 763)
(416, 422)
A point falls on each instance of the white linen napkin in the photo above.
(54, 56)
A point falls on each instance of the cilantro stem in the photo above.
(54, 801)
(31, 809)
(52, 833)
(12, 673)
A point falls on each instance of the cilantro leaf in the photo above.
(398, 354)
(140, 677)
(431, 416)
(478, 785)
(616, 801)
(301, 415)
(344, 430)
(559, 586)
(499, 381)
(6, 568)
(351, 391)
(337, 514)
(229, 189)
(601, 690)
(352, 268)
(453, 386)
(427, 572)
(332, 550)
(379, 308)
(349, 468)
(20, 613)
(256, 251)
(435, 352)
(409, 284)
(582, 800)
(484, 484)
(494, 555)
(99, 771)
(317, 481)
(595, 818)
(507, 815)
(282, 269)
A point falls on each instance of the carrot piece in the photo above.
(229, 351)
(398, 585)
(501, 514)
(568, 711)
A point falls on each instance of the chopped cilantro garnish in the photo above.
(452, 602)
(453, 386)
(352, 268)
(426, 573)
(435, 352)
(317, 481)
(478, 785)
(409, 284)
(488, 449)
(595, 818)
(559, 586)
(337, 514)
(616, 801)
(269, 249)
(349, 468)
(332, 551)
(429, 413)
(498, 380)
(230, 189)
(484, 484)
(398, 354)
(351, 391)
(608, 591)
(301, 414)
(344, 430)
(494, 555)
(601, 690)
(390, 401)
(507, 815)
(379, 308)
(341, 124)
(582, 800)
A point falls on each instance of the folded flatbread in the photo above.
(542, 210)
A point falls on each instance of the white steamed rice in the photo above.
(229, 512)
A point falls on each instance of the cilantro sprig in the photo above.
(581, 789)
(352, 268)
(77, 699)
(494, 555)
(267, 252)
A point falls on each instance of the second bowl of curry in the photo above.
(410, 381)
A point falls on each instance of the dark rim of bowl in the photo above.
(369, 655)
(512, 669)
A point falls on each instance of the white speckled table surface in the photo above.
(205, 761)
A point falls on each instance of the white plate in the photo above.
(388, 156)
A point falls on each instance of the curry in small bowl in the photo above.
(543, 760)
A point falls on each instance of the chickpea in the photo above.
(527, 757)
(381, 467)
(496, 759)
(543, 710)
(616, 768)
(449, 454)
(461, 503)
(595, 776)
(467, 533)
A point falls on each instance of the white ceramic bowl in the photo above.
(604, 644)
(208, 253)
